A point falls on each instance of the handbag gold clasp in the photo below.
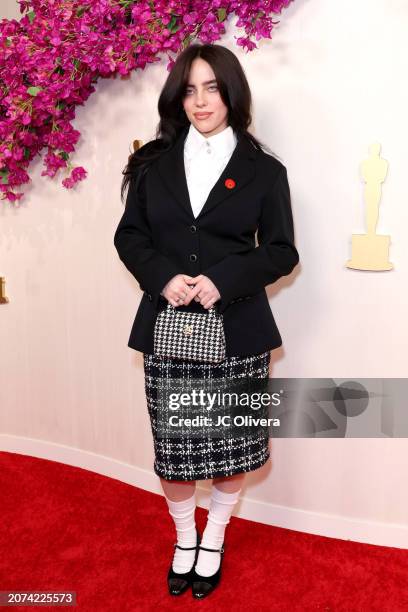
(188, 330)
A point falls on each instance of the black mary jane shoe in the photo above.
(179, 583)
(204, 585)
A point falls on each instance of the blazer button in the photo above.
(193, 228)
(193, 257)
(149, 296)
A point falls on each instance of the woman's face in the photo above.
(202, 96)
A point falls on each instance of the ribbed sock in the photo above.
(219, 514)
(183, 513)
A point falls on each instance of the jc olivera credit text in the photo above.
(224, 421)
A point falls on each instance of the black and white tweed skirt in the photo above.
(195, 458)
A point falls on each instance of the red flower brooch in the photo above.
(229, 183)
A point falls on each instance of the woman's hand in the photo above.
(179, 292)
(177, 289)
(204, 291)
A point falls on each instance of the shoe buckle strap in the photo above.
(183, 548)
(220, 550)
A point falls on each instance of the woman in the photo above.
(197, 196)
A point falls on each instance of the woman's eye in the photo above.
(189, 91)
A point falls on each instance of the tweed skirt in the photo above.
(192, 458)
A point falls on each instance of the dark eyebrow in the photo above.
(204, 83)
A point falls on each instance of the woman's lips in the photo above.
(201, 115)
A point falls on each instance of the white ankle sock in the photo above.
(219, 514)
(183, 515)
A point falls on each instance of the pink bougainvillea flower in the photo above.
(77, 174)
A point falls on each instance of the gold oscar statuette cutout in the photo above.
(3, 298)
(370, 251)
(136, 145)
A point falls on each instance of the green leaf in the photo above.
(222, 14)
(4, 176)
(33, 90)
(8, 41)
(26, 153)
(64, 155)
(186, 40)
(172, 25)
(31, 16)
(81, 10)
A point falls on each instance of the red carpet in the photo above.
(64, 528)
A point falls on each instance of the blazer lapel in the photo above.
(240, 168)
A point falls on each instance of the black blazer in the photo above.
(158, 237)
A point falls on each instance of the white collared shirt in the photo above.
(204, 161)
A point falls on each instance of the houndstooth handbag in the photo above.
(190, 335)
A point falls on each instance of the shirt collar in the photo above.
(221, 144)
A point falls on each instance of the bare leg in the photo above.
(229, 484)
(178, 490)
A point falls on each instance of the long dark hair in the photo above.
(234, 91)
